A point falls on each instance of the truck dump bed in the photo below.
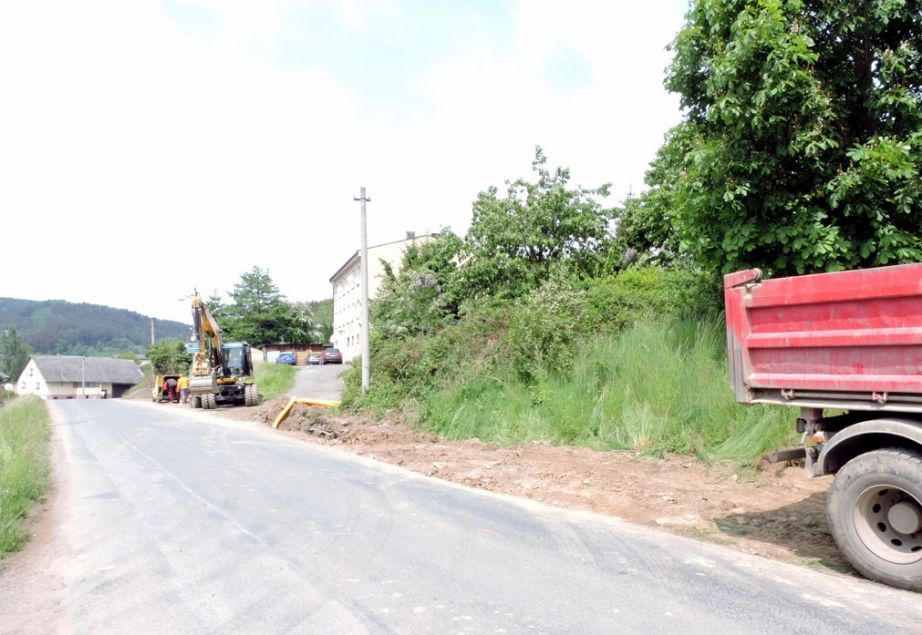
(850, 339)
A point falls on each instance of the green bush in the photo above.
(545, 324)
(637, 294)
(535, 335)
(405, 370)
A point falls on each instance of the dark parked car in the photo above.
(286, 358)
(332, 356)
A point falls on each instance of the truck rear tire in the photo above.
(209, 402)
(875, 514)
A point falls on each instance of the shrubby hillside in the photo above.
(556, 318)
(66, 328)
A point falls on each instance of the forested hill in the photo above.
(66, 328)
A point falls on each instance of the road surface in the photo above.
(169, 520)
(319, 382)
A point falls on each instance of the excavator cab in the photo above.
(238, 358)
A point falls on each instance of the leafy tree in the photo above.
(14, 353)
(256, 292)
(801, 147)
(513, 240)
(645, 233)
(216, 306)
(321, 312)
(169, 357)
(425, 292)
(259, 314)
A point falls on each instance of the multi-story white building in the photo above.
(347, 290)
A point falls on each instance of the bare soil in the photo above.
(773, 511)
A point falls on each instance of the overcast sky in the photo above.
(149, 148)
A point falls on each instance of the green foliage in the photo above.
(654, 388)
(273, 380)
(425, 293)
(23, 466)
(546, 323)
(169, 357)
(514, 241)
(321, 312)
(800, 150)
(539, 231)
(544, 326)
(405, 370)
(14, 353)
(646, 235)
(259, 314)
(528, 338)
(65, 328)
(651, 294)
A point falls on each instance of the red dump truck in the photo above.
(845, 348)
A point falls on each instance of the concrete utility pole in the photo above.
(363, 263)
(152, 340)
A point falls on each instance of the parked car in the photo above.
(332, 356)
(315, 357)
(286, 358)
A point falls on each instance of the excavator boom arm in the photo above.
(210, 355)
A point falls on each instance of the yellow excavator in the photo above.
(221, 372)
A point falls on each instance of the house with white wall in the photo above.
(347, 289)
(70, 377)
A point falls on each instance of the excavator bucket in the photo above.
(202, 385)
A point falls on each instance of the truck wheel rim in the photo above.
(877, 510)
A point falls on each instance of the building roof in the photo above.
(103, 370)
(355, 257)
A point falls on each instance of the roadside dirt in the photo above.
(774, 511)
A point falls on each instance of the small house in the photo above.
(70, 377)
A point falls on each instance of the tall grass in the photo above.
(23, 466)
(273, 380)
(653, 388)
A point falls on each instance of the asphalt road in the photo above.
(171, 521)
(318, 382)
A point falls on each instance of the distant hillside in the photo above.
(65, 328)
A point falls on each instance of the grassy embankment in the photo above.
(274, 379)
(651, 388)
(23, 466)
(632, 362)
